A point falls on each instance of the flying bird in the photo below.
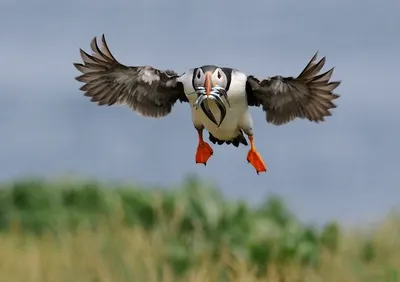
(219, 97)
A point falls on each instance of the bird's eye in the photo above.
(198, 75)
(219, 75)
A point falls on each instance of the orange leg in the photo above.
(204, 150)
(254, 157)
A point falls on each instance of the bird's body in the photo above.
(219, 97)
(237, 115)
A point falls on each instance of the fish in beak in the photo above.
(205, 106)
(210, 91)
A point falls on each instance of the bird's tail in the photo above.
(240, 139)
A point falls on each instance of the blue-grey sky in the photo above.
(346, 168)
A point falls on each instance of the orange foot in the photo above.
(204, 152)
(256, 161)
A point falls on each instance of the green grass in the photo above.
(87, 231)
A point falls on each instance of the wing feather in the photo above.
(309, 95)
(146, 90)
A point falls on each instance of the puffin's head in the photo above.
(211, 82)
(209, 77)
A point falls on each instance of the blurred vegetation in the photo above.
(96, 232)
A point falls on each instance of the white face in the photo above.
(216, 77)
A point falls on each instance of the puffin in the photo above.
(219, 97)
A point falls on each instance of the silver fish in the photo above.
(206, 109)
(222, 92)
(202, 101)
(199, 91)
(220, 105)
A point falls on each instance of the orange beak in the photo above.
(207, 83)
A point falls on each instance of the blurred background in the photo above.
(343, 170)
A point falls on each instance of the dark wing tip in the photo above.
(312, 68)
(313, 58)
(309, 95)
(80, 67)
(103, 39)
(76, 65)
(106, 50)
(321, 96)
(94, 69)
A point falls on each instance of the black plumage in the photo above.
(149, 91)
(309, 95)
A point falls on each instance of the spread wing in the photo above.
(285, 98)
(146, 90)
